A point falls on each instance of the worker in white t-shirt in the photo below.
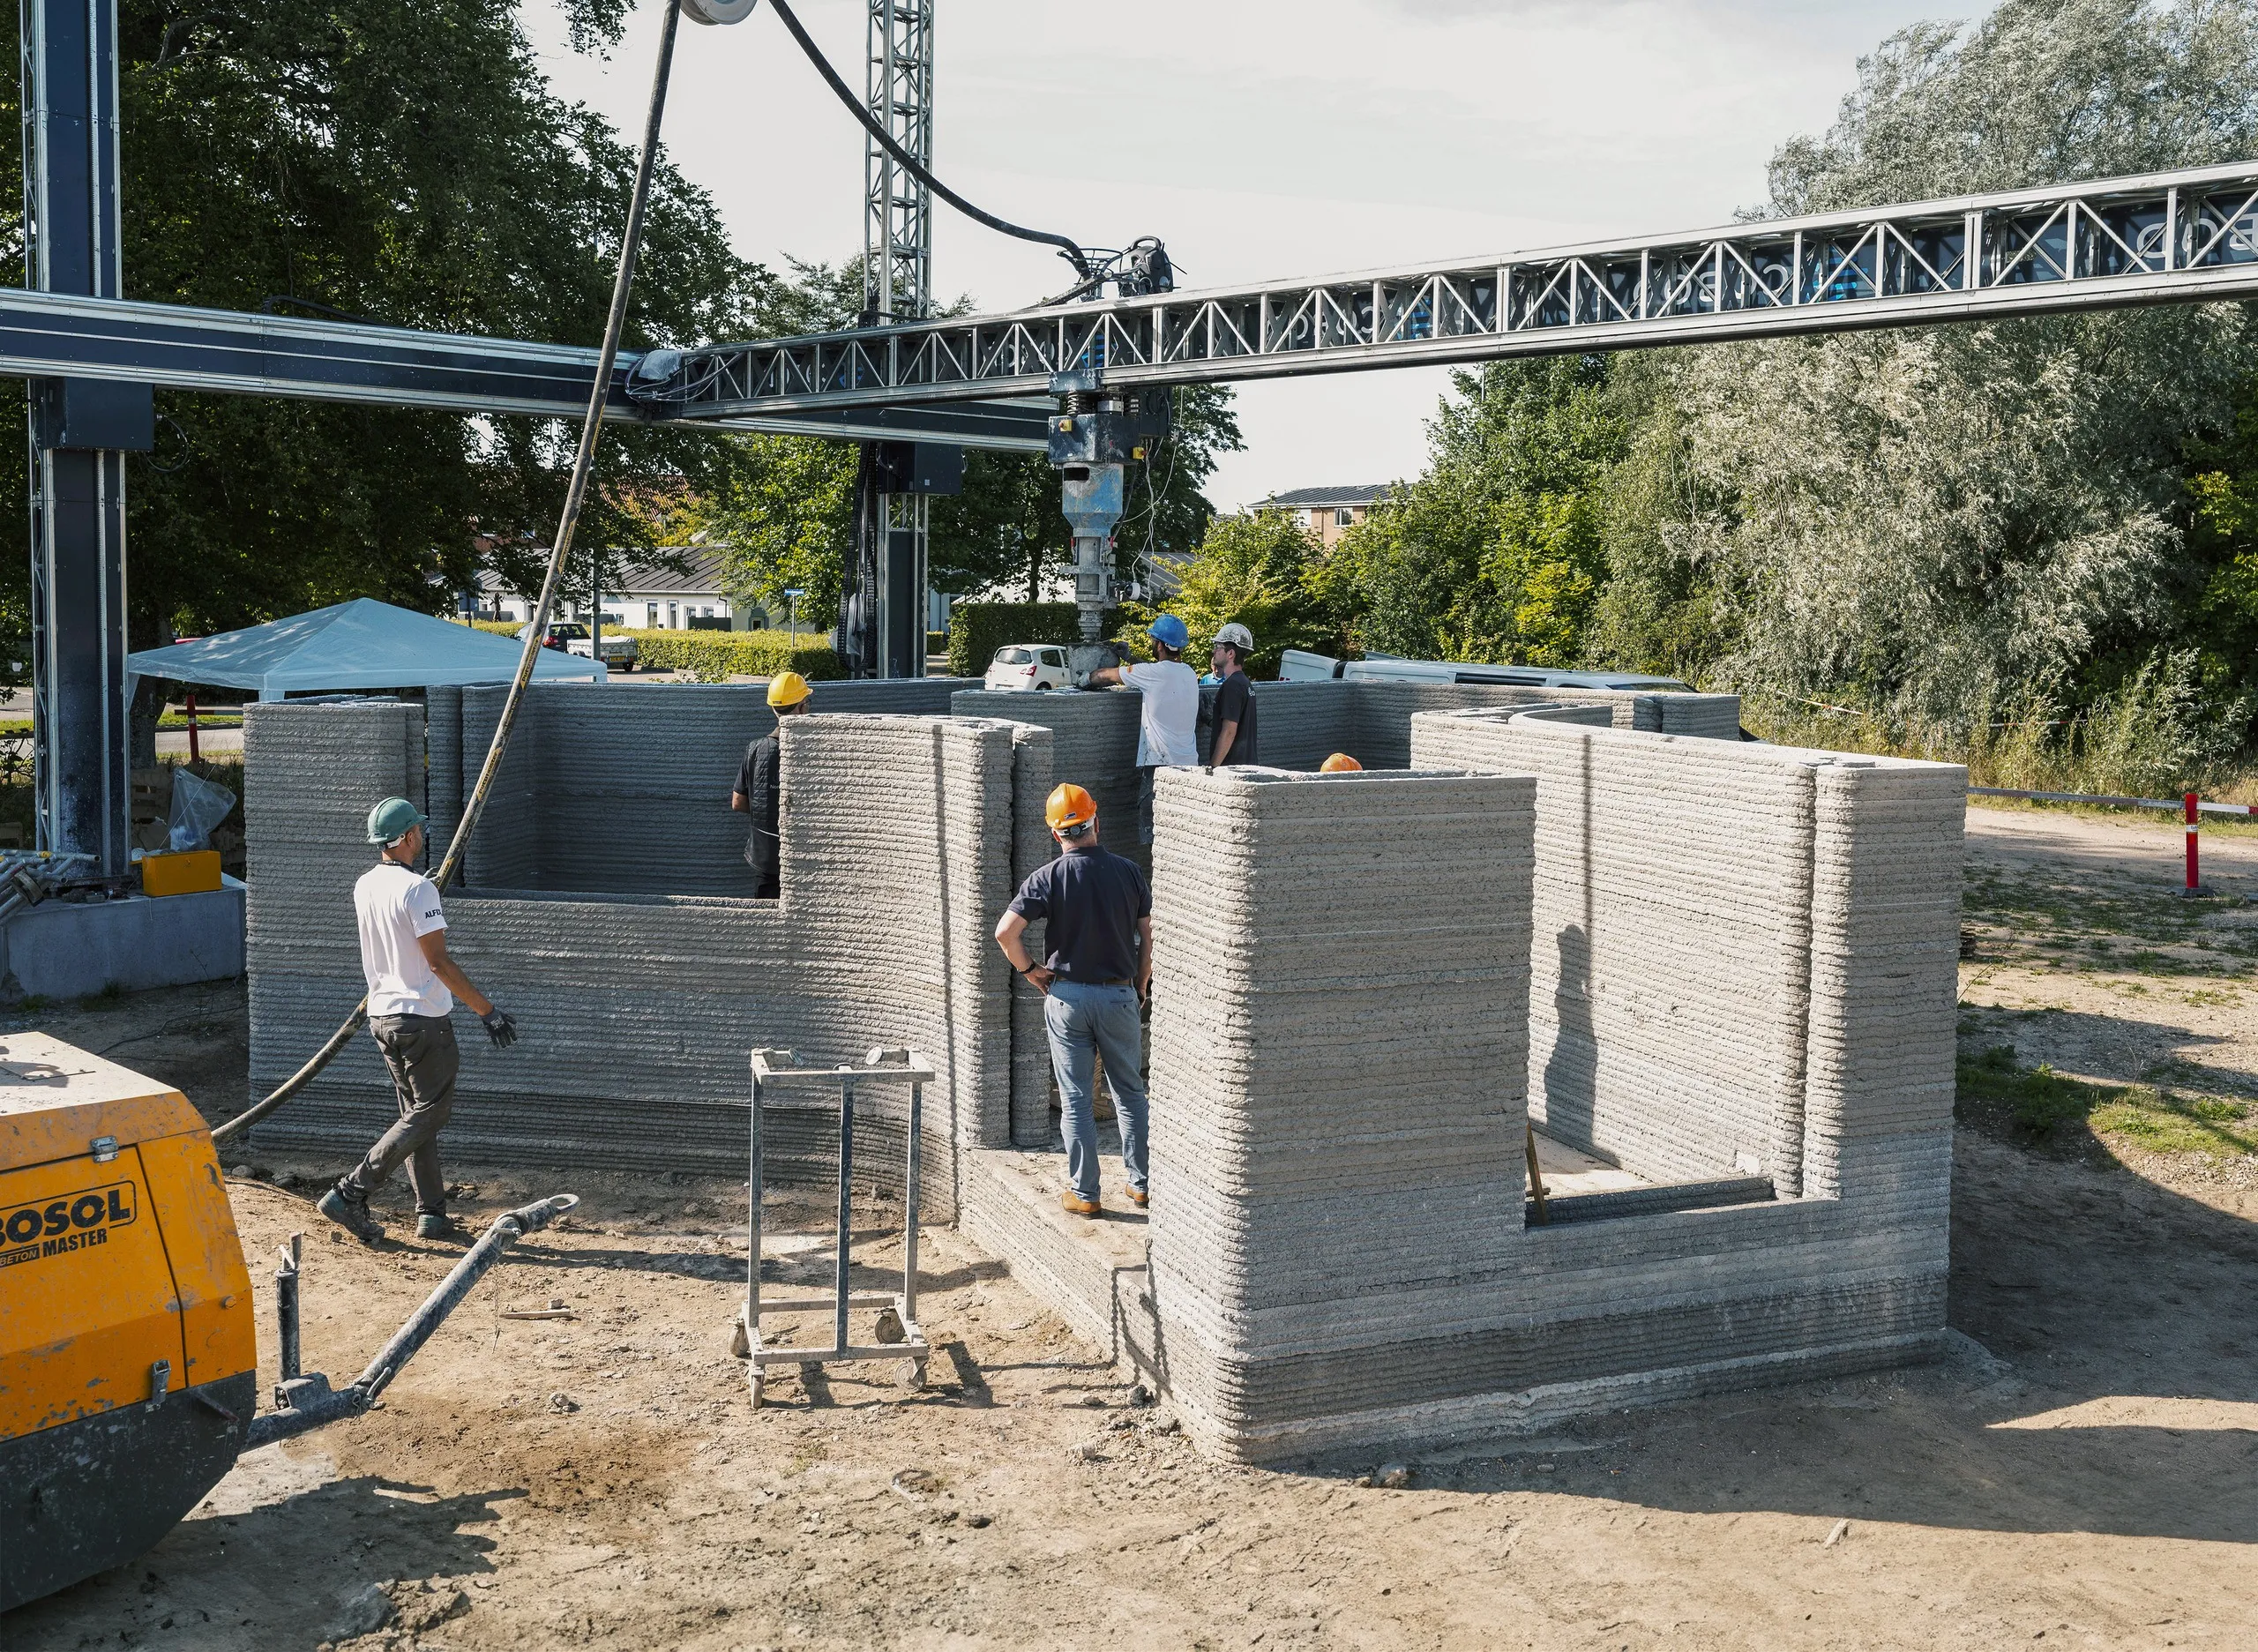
(1167, 735)
(413, 986)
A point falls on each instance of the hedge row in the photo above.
(713, 656)
(976, 629)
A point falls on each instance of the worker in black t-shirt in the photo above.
(761, 788)
(1100, 914)
(1235, 740)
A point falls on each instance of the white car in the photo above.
(1036, 665)
(570, 637)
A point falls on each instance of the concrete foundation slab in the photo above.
(67, 949)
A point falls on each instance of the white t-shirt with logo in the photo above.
(397, 905)
(1167, 735)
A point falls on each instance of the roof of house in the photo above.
(632, 576)
(1304, 498)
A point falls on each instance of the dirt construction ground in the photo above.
(2084, 1473)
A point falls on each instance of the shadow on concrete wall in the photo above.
(1570, 1098)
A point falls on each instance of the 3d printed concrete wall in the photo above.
(1684, 1003)
(636, 1012)
(1094, 735)
(613, 792)
(1741, 959)
(1320, 1277)
(1340, 1048)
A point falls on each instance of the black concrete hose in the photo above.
(575, 496)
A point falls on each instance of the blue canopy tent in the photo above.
(360, 645)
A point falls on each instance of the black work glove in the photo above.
(500, 1027)
(1121, 653)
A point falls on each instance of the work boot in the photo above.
(437, 1224)
(1138, 1196)
(1074, 1205)
(349, 1208)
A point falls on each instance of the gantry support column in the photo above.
(897, 286)
(80, 429)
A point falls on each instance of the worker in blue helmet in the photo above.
(1168, 734)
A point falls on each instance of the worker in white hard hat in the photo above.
(1098, 912)
(761, 788)
(1168, 730)
(1234, 713)
(413, 986)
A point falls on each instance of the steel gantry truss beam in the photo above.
(61, 335)
(2164, 238)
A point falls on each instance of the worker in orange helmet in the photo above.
(1340, 763)
(1099, 967)
(759, 790)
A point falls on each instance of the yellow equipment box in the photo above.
(185, 873)
(128, 1360)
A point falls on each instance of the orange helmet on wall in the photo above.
(1340, 763)
(1070, 808)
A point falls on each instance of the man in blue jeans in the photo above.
(1099, 969)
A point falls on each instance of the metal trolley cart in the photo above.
(897, 1334)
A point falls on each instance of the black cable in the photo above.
(1069, 249)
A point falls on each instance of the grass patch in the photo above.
(2041, 1106)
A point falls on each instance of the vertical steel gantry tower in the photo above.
(80, 430)
(889, 615)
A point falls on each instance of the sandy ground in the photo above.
(2079, 952)
(2091, 1480)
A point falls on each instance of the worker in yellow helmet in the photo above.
(761, 788)
(1098, 911)
(1340, 763)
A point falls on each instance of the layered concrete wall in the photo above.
(1695, 956)
(1677, 972)
(636, 1012)
(616, 791)
(1301, 724)
(1339, 1051)
(1741, 998)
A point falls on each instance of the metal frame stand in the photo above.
(898, 1336)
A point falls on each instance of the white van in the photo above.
(1300, 666)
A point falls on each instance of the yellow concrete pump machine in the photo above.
(128, 1360)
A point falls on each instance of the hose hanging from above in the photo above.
(1068, 248)
(576, 494)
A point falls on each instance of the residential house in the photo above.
(1328, 512)
(639, 594)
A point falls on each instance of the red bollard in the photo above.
(2194, 889)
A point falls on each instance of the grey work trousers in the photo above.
(422, 1053)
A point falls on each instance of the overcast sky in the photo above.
(1263, 139)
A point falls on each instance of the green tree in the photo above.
(1496, 552)
(405, 163)
(1264, 570)
(1941, 523)
(1003, 530)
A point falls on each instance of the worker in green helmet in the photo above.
(413, 986)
